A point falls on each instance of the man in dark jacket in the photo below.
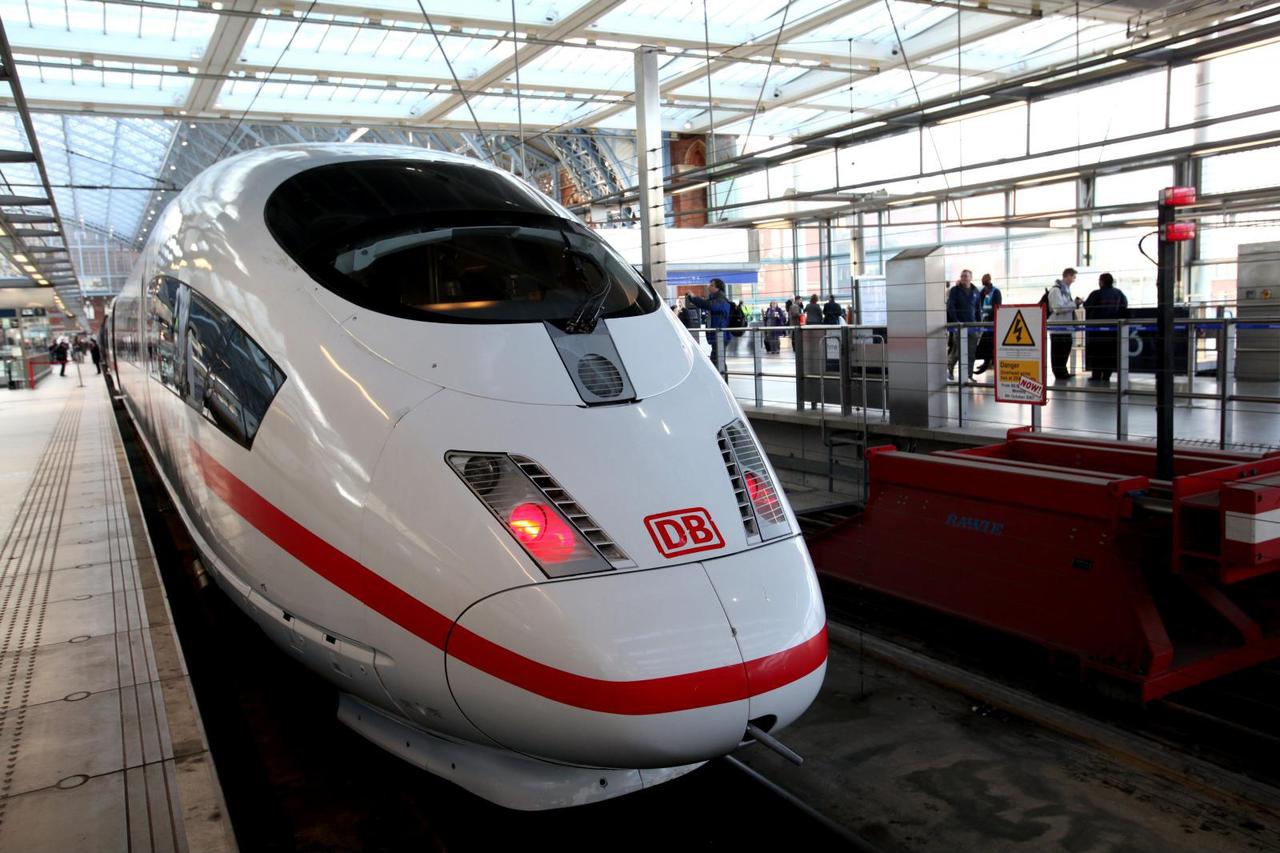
(961, 308)
(1108, 302)
(63, 351)
(717, 305)
(989, 300)
(96, 354)
(831, 311)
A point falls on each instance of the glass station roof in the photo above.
(111, 82)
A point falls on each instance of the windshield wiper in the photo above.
(587, 315)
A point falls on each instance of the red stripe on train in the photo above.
(647, 696)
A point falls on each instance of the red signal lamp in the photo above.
(541, 530)
(1178, 196)
(1176, 232)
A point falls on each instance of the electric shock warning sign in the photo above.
(1019, 351)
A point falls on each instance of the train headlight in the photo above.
(552, 528)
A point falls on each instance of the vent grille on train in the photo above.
(600, 376)
(763, 516)
(573, 511)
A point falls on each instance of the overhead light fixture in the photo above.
(690, 188)
(22, 259)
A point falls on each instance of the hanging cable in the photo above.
(515, 56)
(1142, 240)
(711, 107)
(773, 57)
(456, 82)
(236, 127)
(911, 76)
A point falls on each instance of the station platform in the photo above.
(102, 744)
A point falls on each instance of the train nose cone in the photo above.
(638, 669)
(771, 597)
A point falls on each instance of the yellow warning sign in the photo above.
(1018, 335)
(1019, 353)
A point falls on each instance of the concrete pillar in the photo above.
(915, 289)
(653, 252)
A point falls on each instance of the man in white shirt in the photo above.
(1062, 308)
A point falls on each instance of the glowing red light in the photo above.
(757, 489)
(1178, 196)
(1178, 231)
(540, 530)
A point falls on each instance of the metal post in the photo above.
(756, 338)
(1226, 380)
(1035, 418)
(653, 252)
(1191, 361)
(1122, 381)
(962, 370)
(797, 349)
(846, 371)
(1164, 346)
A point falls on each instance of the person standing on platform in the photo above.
(793, 315)
(63, 351)
(717, 305)
(988, 301)
(1062, 309)
(1108, 302)
(815, 354)
(773, 318)
(96, 354)
(831, 311)
(961, 302)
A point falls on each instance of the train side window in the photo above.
(229, 379)
(163, 354)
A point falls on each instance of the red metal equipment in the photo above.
(1075, 545)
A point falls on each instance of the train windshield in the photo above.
(448, 242)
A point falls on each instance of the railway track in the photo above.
(295, 779)
(1233, 722)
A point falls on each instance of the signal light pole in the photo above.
(1170, 234)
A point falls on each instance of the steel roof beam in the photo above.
(22, 201)
(228, 39)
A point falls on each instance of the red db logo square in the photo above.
(684, 531)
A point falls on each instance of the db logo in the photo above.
(684, 531)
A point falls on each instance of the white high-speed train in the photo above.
(446, 448)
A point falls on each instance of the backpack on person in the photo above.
(737, 320)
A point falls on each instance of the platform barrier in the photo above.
(1076, 546)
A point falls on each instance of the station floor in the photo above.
(101, 743)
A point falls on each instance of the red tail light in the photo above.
(542, 531)
(758, 490)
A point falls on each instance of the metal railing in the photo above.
(1121, 334)
(852, 370)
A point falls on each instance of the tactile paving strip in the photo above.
(101, 747)
(26, 557)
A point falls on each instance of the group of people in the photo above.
(61, 351)
(969, 304)
(716, 312)
(1107, 302)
